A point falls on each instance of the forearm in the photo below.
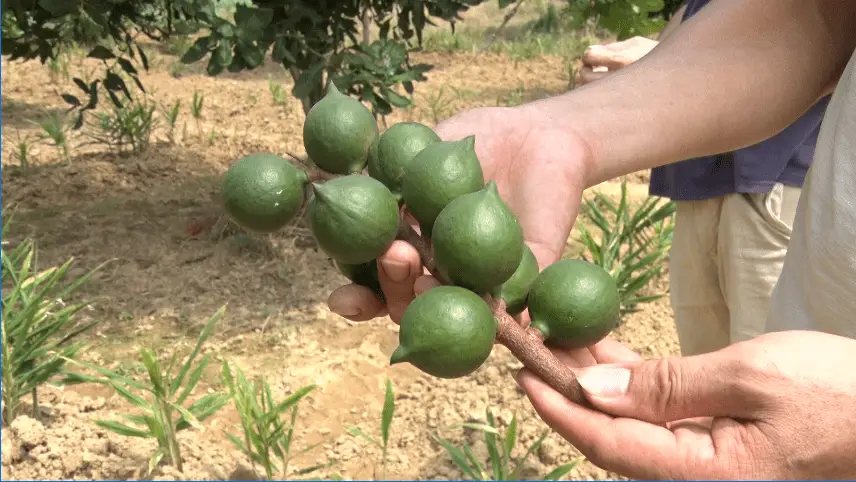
(734, 74)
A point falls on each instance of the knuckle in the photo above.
(667, 382)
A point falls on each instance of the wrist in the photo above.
(558, 127)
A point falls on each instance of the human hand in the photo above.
(782, 405)
(599, 60)
(539, 171)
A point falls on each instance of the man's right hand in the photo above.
(540, 171)
(599, 60)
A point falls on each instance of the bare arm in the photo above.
(733, 75)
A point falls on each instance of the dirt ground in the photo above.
(175, 261)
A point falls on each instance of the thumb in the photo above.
(660, 391)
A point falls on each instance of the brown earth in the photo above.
(175, 261)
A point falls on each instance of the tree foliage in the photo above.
(316, 41)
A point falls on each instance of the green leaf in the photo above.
(458, 458)
(308, 80)
(252, 21)
(561, 470)
(57, 8)
(221, 58)
(153, 368)
(510, 437)
(100, 52)
(122, 429)
(71, 100)
(206, 332)
(387, 413)
(253, 56)
(357, 432)
(197, 51)
(394, 98)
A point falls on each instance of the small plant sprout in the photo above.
(500, 448)
(439, 104)
(266, 436)
(385, 423)
(38, 328)
(22, 151)
(277, 92)
(632, 243)
(162, 400)
(171, 116)
(55, 129)
(129, 126)
(196, 108)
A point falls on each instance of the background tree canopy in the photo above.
(360, 45)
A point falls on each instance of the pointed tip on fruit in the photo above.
(469, 141)
(400, 355)
(319, 190)
(332, 89)
(491, 188)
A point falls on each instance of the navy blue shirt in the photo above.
(784, 158)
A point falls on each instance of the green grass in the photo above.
(542, 29)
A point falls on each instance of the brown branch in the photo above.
(527, 345)
(508, 17)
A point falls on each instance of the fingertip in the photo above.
(356, 303)
(424, 283)
(398, 263)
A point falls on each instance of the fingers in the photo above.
(632, 448)
(660, 391)
(356, 303)
(398, 270)
(612, 351)
(588, 75)
(602, 56)
(424, 283)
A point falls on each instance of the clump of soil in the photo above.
(66, 445)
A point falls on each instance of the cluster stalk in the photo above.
(527, 345)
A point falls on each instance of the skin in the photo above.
(754, 406)
(600, 60)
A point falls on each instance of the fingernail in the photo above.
(344, 310)
(396, 270)
(604, 382)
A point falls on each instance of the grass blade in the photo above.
(388, 411)
(562, 470)
(122, 429)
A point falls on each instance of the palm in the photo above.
(530, 172)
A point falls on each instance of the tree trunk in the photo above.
(367, 23)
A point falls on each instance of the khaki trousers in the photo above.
(726, 257)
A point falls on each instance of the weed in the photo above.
(22, 151)
(385, 423)
(196, 108)
(55, 128)
(168, 394)
(277, 93)
(171, 116)
(633, 243)
(38, 327)
(513, 98)
(128, 126)
(500, 448)
(439, 104)
(265, 434)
